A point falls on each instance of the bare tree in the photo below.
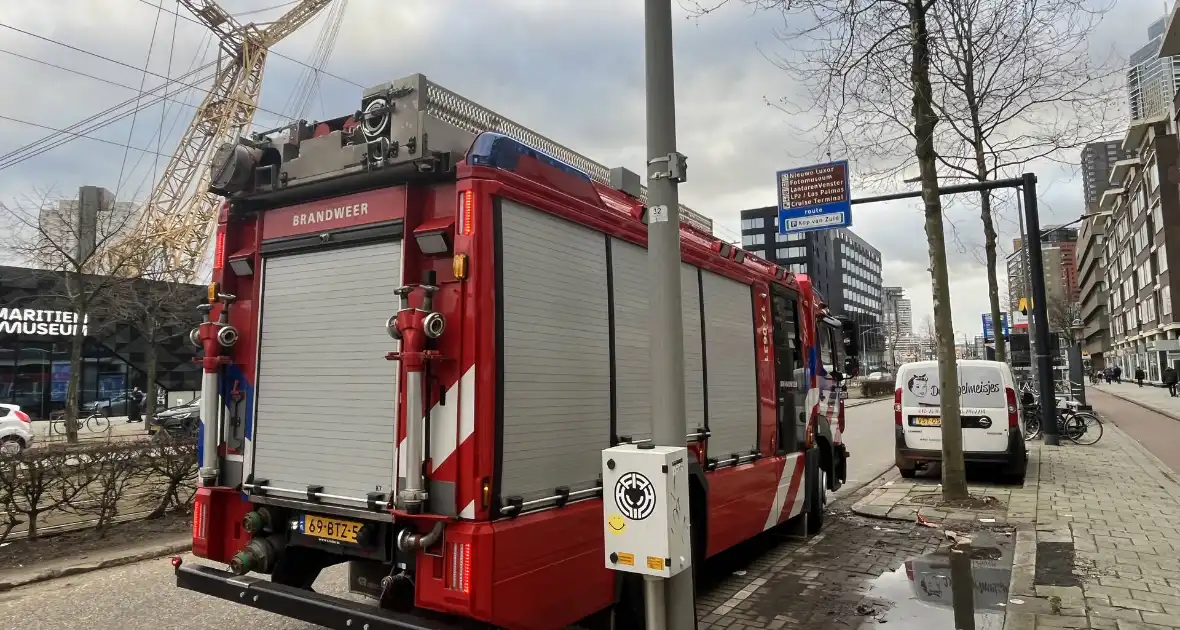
(161, 307)
(866, 66)
(1061, 314)
(1015, 82)
(55, 234)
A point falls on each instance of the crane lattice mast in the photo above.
(178, 218)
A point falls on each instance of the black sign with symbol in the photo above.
(635, 496)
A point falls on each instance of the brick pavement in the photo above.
(777, 582)
(1105, 530)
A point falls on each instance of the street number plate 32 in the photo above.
(329, 528)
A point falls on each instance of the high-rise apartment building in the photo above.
(1151, 78)
(1092, 265)
(843, 267)
(1097, 160)
(76, 226)
(1058, 256)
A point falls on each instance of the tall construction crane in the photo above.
(176, 222)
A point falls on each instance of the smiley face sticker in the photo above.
(615, 524)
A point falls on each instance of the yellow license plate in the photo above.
(330, 528)
(927, 421)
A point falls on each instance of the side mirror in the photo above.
(851, 366)
(850, 336)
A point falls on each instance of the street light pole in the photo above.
(665, 169)
(1040, 316)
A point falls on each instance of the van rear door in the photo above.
(982, 401)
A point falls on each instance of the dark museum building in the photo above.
(36, 324)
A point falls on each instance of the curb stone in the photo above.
(34, 576)
(1024, 566)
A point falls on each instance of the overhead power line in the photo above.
(273, 52)
(124, 64)
(97, 121)
(79, 135)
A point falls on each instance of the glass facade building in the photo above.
(36, 332)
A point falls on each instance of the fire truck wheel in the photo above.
(815, 516)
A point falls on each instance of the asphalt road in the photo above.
(1155, 431)
(868, 434)
(143, 595)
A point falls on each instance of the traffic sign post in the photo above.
(814, 198)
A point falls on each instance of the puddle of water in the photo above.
(962, 589)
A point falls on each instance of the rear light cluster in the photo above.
(459, 567)
(897, 406)
(199, 526)
(466, 213)
(1013, 410)
(22, 416)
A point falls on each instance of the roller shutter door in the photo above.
(556, 354)
(326, 395)
(729, 347)
(632, 350)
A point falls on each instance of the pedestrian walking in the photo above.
(1118, 374)
(1170, 380)
(1139, 376)
(135, 405)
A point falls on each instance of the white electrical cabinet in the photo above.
(645, 509)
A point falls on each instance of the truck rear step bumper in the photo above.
(324, 610)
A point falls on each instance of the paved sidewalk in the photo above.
(1098, 545)
(1154, 398)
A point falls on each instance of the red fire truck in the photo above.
(426, 322)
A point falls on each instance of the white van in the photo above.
(988, 405)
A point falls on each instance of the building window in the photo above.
(1140, 242)
(790, 252)
(1149, 309)
(753, 239)
(1166, 300)
(753, 224)
(1150, 181)
(1161, 257)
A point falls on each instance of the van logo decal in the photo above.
(918, 385)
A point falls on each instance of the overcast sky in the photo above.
(570, 69)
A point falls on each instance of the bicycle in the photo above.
(1080, 426)
(95, 423)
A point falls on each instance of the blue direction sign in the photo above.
(814, 198)
(989, 330)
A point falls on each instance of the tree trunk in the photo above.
(149, 403)
(954, 478)
(77, 343)
(993, 283)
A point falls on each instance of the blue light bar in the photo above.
(500, 151)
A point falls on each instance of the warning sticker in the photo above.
(655, 563)
(627, 559)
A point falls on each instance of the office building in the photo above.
(899, 325)
(1097, 160)
(77, 225)
(1092, 300)
(1152, 77)
(843, 268)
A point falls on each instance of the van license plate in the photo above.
(329, 528)
(926, 421)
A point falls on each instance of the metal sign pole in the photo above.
(665, 169)
(1040, 317)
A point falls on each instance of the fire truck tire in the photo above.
(815, 514)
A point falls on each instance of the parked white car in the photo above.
(989, 415)
(16, 430)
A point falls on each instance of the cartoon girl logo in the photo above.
(918, 385)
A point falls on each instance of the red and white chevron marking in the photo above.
(790, 493)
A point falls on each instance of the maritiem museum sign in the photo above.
(31, 321)
(814, 198)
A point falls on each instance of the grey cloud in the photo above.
(571, 70)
